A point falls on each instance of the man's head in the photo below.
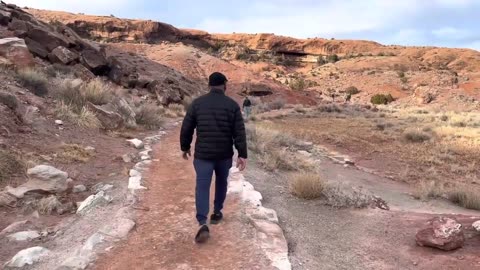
(217, 81)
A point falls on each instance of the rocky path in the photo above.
(166, 225)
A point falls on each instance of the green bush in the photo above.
(332, 58)
(381, 99)
(297, 84)
(352, 90)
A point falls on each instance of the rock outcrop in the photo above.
(27, 256)
(43, 179)
(442, 233)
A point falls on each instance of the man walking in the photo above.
(219, 125)
(247, 107)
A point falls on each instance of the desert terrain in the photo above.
(362, 155)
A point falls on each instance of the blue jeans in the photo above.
(204, 170)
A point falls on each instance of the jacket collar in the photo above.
(217, 91)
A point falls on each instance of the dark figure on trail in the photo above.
(348, 97)
(333, 97)
(247, 107)
(219, 125)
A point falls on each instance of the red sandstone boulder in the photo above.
(443, 233)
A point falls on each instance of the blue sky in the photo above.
(449, 23)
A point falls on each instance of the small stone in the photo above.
(134, 173)
(24, 236)
(58, 122)
(93, 201)
(349, 162)
(476, 225)
(118, 229)
(135, 183)
(90, 149)
(127, 158)
(92, 242)
(27, 256)
(107, 187)
(138, 144)
(79, 189)
(75, 263)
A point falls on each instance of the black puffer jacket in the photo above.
(219, 125)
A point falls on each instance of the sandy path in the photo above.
(164, 235)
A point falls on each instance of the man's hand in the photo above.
(187, 154)
(241, 163)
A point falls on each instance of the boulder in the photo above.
(5, 17)
(82, 72)
(62, 55)
(109, 119)
(27, 256)
(443, 233)
(48, 39)
(36, 48)
(128, 114)
(122, 74)
(43, 179)
(93, 201)
(24, 236)
(476, 225)
(7, 199)
(135, 183)
(167, 91)
(20, 28)
(15, 50)
(75, 263)
(138, 144)
(95, 61)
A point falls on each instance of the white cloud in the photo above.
(452, 33)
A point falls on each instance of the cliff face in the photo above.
(111, 29)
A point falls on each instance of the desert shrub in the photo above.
(426, 190)
(346, 196)
(58, 69)
(150, 116)
(404, 80)
(381, 99)
(8, 100)
(81, 117)
(10, 164)
(276, 104)
(175, 110)
(329, 108)
(416, 136)
(465, 197)
(48, 205)
(307, 185)
(297, 84)
(401, 74)
(332, 58)
(381, 54)
(68, 92)
(321, 61)
(34, 80)
(352, 90)
(300, 109)
(458, 124)
(96, 92)
(74, 153)
(444, 118)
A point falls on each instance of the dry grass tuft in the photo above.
(307, 185)
(48, 205)
(465, 197)
(175, 110)
(149, 116)
(82, 117)
(35, 80)
(426, 190)
(74, 153)
(8, 100)
(10, 164)
(416, 136)
(97, 92)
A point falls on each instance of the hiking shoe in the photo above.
(216, 218)
(202, 235)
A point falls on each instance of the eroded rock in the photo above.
(443, 233)
(27, 256)
(93, 201)
(24, 236)
(62, 55)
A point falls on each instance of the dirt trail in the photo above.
(165, 229)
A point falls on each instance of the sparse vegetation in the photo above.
(352, 90)
(81, 117)
(150, 116)
(57, 70)
(175, 110)
(74, 153)
(8, 100)
(465, 197)
(347, 196)
(381, 99)
(416, 136)
(297, 84)
(333, 58)
(10, 164)
(307, 185)
(34, 80)
(96, 92)
(425, 190)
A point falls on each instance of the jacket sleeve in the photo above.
(239, 135)
(188, 128)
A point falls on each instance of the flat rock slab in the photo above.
(119, 229)
(93, 201)
(27, 256)
(24, 236)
